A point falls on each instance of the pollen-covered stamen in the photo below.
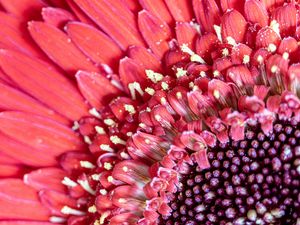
(254, 179)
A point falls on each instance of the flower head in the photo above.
(185, 112)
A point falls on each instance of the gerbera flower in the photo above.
(149, 112)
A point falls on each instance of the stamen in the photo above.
(86, 186)
(70, 211)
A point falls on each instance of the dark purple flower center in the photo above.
(253, 181)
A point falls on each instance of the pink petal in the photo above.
(19, 201)
(25, 153)
(233, 25)
(10, 170)
(15, 36)
(185, 34)
(13, 99)
(232, 4)
(256, 12)
(133, 5)
(158, 9)
(43, 82)
(56, 17)
(155, 32)
(14, 222)
(25, 9)
(130, 72)
(79, 13)
(116, 20)
(51, 40)
(55, 201)
(97, 89)
(207, 14)
(144, 58)
(180, 9)
(46, 179)
(39, 132)
(94, 43)
(6, 159)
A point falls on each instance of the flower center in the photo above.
(253, 180)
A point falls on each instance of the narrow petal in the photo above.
(121, 29)
(56, 17)
(157, 8)
(25, 153)
(97, 89)
(232, 4)
(15, 36)
(207, 14)
(144, 58)
(14, 222)
(39, 132)
(6, 159)
(256, 12)
(133, 5)
(10, 170)
(234, 26)
(79, 13)
(271, 4)
(286, 17)
(43, 82)
(13, 99)
(25, 9)
(51, 40)
(19, 201)
(185, 34)
(180, 9)
(94, 43)
(155, 32)
(46, 179)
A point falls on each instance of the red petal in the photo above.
(52, 41)
(155, 32)
(158, 9)
(130, 72)
(272, 4)
(97, 89)
(13, 99)
(46, 179)
(19, 201)
(267, 36)
(43, 82)
(286, 16)
(180, 10)
(55, 201)
(205, 45)
(56, 17)
(186, 34)
(133, 5)
(256, 12)
(232, 4)
(94, 43)
(79, 13)
(117, 21)
(26, 154)
(288, 45)
(39, 132)
(6, 159)
(144, 58)
(233, 25)
(10, 170)
(207, 14)
(14, 222)
(25, 9)
(15, 36)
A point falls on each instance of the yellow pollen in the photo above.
(147, 141)
(260, 59)
(246, 59)
(94, 112)
(107, 166)
(150, 91)
(179, 95)
(231, 41)
(163, 100)
(181, 72)
(103, 192)
(99, 130)
(87, 164)
(130, 108)
(225, 52)
(274, 69)
(109, 122)
(164, 86)
(217, 94)
(116, 140)
(105, 147)
(216, 73)
(96, 177)
(87, 140)
(272, 47)
(125, 169)
(153, 76)
(285, 56)
(110, 179)
(92, 209)
(218, 32)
